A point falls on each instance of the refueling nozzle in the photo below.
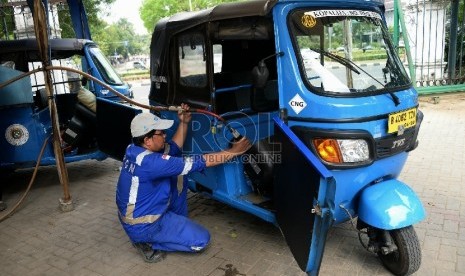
(237, 136)
(175, 108)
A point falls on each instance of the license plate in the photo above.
(402, 120)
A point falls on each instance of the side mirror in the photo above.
(385, 72)
(260, 75)
(90, 71)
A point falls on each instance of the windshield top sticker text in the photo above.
(325, 13)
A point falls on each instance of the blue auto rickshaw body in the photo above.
(328, 144)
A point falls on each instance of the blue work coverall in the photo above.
(151, 210)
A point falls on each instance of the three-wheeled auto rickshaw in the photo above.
(331, 128)
(25, 116)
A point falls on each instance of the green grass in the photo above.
(369, 55)
(135, 74)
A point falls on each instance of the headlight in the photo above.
(339, 151)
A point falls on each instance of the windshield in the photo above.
(104, 67)
(346, 52)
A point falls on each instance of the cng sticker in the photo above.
(297, 104)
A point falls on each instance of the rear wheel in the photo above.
(407, 258)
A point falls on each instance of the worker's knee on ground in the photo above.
(201, 241)
(196, 236)
(179, 233)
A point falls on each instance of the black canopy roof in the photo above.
(61, 48)
(169, 26)
(184, 20)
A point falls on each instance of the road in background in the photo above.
(141, 89)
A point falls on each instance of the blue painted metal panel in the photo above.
(24, 136)
(304, 199)
(352, 181)
(79, 19)
(390, 205)
(325, 173)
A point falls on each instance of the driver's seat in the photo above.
(263, 99)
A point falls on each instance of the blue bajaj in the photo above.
(332, 123)
(25, 122)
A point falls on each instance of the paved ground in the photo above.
(41, 240)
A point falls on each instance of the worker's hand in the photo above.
(184, 116)
(241, 146)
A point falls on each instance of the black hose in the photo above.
(129, 100)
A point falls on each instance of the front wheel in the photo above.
(407, 258)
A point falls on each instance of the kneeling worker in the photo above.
(151, 210)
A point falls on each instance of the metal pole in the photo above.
(453, 38)
(396, 23)
(398, 9)
(40, 28)
(347, 38)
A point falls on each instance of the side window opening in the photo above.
(192, 60)
(192, 84)
(242, 42)
(233, 83)
(217, 58)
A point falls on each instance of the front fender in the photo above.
(390, 205)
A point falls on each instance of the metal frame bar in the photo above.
(440, 89)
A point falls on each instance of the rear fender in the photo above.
(390, 205)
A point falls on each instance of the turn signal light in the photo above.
(328, 149)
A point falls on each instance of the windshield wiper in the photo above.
(353, 66)
(347, 63)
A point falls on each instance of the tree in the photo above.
(7, 26)
(119, 37)
(152, 11)
(93, 9)
(122, 39)
(460, 45)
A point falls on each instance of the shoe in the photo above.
(149, 255)
(2, 206)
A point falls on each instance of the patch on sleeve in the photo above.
(167, 148)
(166, 156)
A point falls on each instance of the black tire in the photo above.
(406, 260)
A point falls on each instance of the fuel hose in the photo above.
(233, 131)
(111, 89)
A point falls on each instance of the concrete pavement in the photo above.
(41, 240)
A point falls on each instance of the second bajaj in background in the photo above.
(331, 132)
(24, 108)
